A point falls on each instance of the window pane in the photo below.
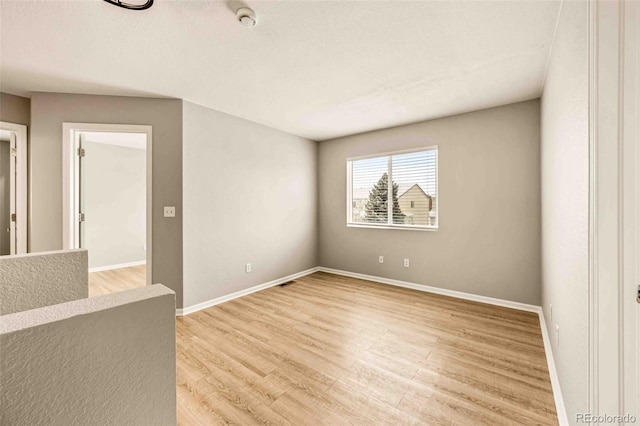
(369, 190)
(415, 188)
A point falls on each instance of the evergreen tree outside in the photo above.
(376, 208)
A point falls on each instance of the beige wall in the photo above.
(15, 109)
(249, 197)
(50, 110)
(115, 188)
(108, 360)
(30, 281)
(488, 242)
(565, 204)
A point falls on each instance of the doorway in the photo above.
(13, 189)
(107, 202)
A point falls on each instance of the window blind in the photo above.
(408, 179)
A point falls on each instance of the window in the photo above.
(413, 190)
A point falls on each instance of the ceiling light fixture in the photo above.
(247, 17)
(143, 6)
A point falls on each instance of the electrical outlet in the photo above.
(169, 211)
(557, 335)
(406, 263)
(380, 259)
(247, 268)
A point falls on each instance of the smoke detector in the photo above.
(247, 17)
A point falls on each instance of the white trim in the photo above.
(218, 300)
(609, 111)
(561, 410)
(13, 147)
(593, 210)
(390, 221)
(630, 183)
(435, 290)
(117, 266)
(68, 157)
(21, 193)
(349, 191)
(400, 227)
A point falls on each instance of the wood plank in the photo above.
(334, 350)
(115, 280)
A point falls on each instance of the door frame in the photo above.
(614, 207)
(70, 178)
(21, 193)
(630, 174)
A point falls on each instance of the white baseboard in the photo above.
(553, 373)
(212, 302)
(435, 290)
(118, 266)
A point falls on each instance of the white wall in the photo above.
(114, 190)
(488, 241)
(108, 360)
(30, 281)
(565, 204)
(249, 196)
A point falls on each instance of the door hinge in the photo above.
(638, 296)
(13, 217)
(81, 152)
(14, 152)
(81, 217)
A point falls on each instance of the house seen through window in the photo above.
(408, 179)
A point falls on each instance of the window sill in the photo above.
(397, 227)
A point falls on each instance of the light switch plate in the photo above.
(169, 211)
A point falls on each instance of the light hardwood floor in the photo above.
(115, 280)
(333, 350)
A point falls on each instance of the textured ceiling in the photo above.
(318, 69)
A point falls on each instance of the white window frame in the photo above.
(390, 189)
